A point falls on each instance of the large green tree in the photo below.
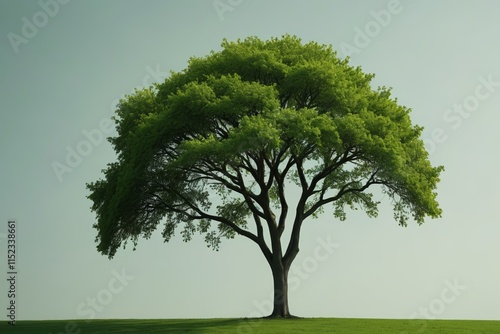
(212, 149)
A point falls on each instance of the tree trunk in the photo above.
(280, 279)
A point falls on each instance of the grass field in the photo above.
(255, 326)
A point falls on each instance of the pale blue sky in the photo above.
(65, 78)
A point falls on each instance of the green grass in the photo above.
(255, 326)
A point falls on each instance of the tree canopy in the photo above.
(238, 125)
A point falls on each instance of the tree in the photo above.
(238, 126)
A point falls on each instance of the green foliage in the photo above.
(236, 126)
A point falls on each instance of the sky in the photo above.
(65, 64)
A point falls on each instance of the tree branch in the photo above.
(225, 221)
(344, 190)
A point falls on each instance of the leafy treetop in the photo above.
(241, 123)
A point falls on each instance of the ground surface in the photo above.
(255, 326)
